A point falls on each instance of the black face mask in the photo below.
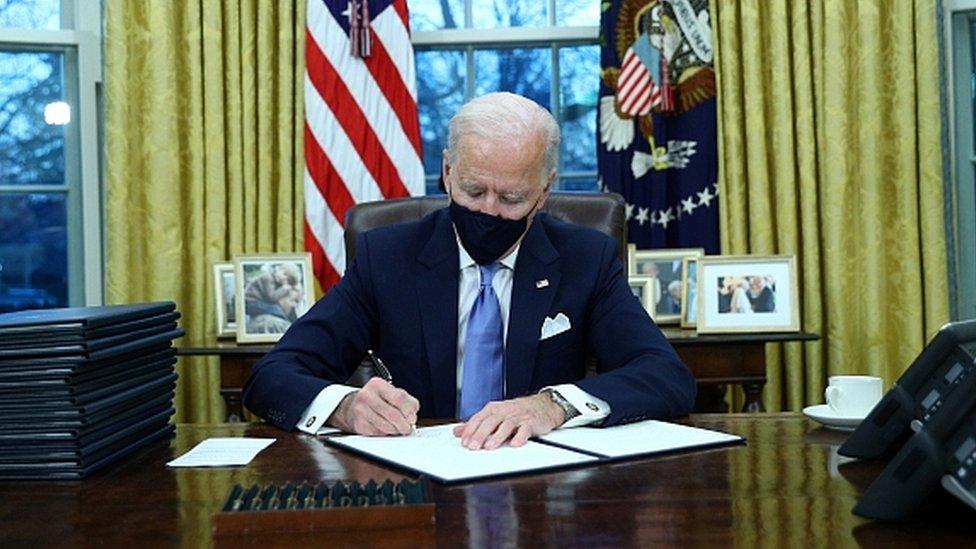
(486, 237)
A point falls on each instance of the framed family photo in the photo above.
(666, 269)
(643, 289)
(748, 294)
(689, 293)
(270, 292)
(224, 308)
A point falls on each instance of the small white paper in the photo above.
(222, 452)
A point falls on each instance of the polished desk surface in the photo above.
(785, 488)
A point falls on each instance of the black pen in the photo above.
(381, 368)
(383, 371)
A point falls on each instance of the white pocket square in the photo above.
(554, 326)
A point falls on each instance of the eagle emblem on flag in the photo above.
(665, 48)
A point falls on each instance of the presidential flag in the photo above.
(362, 134)
(656, 121)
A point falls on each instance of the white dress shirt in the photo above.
(591, 409)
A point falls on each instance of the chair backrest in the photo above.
(601, 211)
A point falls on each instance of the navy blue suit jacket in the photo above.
(400, 297)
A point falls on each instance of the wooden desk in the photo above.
(716, 360)
(785, 488)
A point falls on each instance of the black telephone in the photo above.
(942, 451)
(919, 394)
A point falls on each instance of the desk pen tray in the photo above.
(325, 506)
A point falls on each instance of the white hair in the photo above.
(503, 116)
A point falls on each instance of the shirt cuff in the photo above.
(591, 409)
(322, 406)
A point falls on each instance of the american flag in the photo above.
(362, 136)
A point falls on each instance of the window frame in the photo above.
(960, 56)
(554, 37)
(82, 89)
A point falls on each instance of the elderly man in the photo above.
(484, 310)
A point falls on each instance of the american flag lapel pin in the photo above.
(539, 284)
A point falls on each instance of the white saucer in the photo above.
(823, 415)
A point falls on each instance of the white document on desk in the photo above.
(633, 439)
(222, 452)
(437, 452)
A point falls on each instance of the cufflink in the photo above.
(310, 422)
(592, 406)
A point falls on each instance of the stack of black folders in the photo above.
(83, 387)
(336, 506)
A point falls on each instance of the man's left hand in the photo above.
(515, 421)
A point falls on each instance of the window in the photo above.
(544, 50)
(48, 179)
(960, 23)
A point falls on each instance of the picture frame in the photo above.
(748, 294)
(631, 250)
(224, 299)
(271, 291)
(666, 267)
(642, 288)
(689, 293)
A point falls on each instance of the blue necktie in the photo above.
(483, 376)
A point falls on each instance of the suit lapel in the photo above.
(537, 261)
(437, 292)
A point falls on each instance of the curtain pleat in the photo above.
(204, 141)
(829, 143)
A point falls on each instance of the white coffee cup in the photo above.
(852, 396)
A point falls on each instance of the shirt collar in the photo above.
(465, 261)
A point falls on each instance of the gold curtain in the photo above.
(829, 147)
(204, 134)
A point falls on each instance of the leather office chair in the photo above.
(601, 211)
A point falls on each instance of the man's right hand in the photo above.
(378, 409)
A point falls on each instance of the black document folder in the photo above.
(75, 362)
(69, 374)
(76, 356)
(34, 389)
(78, 320)
(48, 422)
(13, 443)
(51, 339)
(29, 401)
(50, 410)
(76, 469)
(88, 346)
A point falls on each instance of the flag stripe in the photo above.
(325, 178)
(334, 92)
(404, 105)
(325, 273)
(362, 136)
(401, 8)
(324, 226)
(346, 73)
(329, 135)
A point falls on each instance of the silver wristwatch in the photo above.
(568, 408)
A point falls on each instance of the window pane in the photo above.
(489, 14)
(440, 93)
(525, 71)
(577, 12)
(579, 86)
(33, 251)
(428, 15)
(32, 149)
(578, 184)
(30, 14)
